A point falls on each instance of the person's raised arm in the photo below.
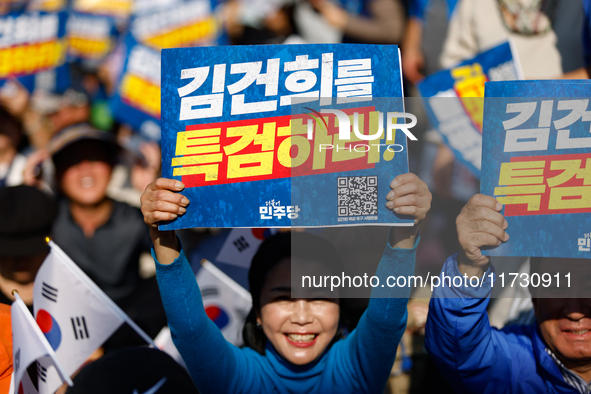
(471, 355)
(161, 203)
(409, 196)
(196, 337)
(479, 224)
(413, 60)
(372, 345)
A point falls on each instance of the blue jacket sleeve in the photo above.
(368, 353)
(473, 356)
(587, 32)
(212, 362)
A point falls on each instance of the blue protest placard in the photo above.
(258, 134)
(47, 5)
(119, 9)
(136, 101)
(152, 28)
(33, 50)
(453, 100)
(181, 24)
(536, 161)
(90, 37)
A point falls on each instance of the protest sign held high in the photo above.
(537, 163)
(90, 37)
(256, 133)
(120, 9)
(453, 99)
(33, 49)
(153, 27)
(137, 99)
(188, 23)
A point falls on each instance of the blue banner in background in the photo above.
(537, 162)
(90, 37)
(185, 23)
(454, 104)
(33, 50)
(136, 101)
(250, 157)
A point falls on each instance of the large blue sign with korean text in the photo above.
(454, 101)
(290, 135)
(536, 161)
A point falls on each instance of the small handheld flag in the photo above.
(225, 301)
(29, 344)
(74, 315)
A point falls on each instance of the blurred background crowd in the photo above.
(79, 138)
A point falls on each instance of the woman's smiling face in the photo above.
(299, 329)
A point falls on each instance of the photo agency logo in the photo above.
(345, 129)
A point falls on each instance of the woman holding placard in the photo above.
(292, 344)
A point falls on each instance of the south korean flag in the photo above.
(75, 316)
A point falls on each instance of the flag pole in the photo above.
(51, 353)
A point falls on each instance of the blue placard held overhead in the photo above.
(536, 161)
(291, 135)
(454, 100)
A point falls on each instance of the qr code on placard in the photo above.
(357, 195)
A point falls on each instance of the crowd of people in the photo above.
(73, 170)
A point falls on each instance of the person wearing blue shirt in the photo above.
(553, 355)
(298, 349)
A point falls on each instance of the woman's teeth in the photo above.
(580, 332)
(87, 181)
(301, 338)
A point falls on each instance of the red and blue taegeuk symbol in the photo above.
(49, 328)
(217, 315)
(261, 233)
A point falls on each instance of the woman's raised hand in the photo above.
(409, 196)
(161, 203)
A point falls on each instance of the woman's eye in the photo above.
(282, 298)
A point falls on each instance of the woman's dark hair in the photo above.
(301, 245)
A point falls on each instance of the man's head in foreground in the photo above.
(562, 305)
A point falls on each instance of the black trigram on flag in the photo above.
(209, 292)
(41, 372)
(49, 292)
(241, 244)
(17, 360)
(79, 327)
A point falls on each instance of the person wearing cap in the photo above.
(26, 215)
(104, 237)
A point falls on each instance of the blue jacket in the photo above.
(477, 358)
(361, 363)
